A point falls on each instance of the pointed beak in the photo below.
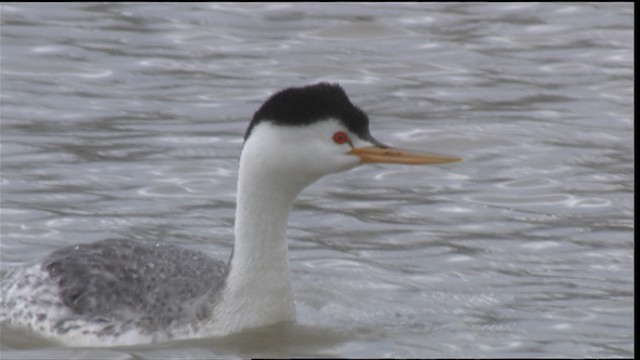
(381, 154)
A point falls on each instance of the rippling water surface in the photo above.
(126, 120)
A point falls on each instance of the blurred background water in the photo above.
(126, 120)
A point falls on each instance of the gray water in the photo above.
(126, 120)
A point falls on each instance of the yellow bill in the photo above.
(374, 154)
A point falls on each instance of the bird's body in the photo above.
(122, 291)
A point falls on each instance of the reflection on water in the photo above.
(126, 120)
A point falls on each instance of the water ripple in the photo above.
(126, 120)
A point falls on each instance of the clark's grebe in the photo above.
(122, 292)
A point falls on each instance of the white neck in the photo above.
(275, 165)
(258, 288)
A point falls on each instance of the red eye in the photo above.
(340, 137)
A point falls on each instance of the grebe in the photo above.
(122, 292)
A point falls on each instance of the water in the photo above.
(126, 120)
